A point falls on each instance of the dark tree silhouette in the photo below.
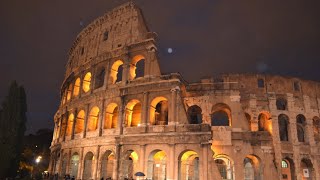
(12, 128)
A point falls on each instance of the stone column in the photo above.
(144, 115)
(142, 158)
(126, 69)
(203, 167)
(171, 164)
(121, 116)
(96, 166)
(172, 113)
(74, 123)
(309, 132)
(86, 118)
(80, 167)
(101, 117)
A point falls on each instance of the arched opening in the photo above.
(287, 169)
(159, 111)
(74, 164)
(88, 166)
(316, 128)
(221, 115)
(107, 163)
(281, 103)
(116, 72)
(225, 167)
(188, 167)
(93, 119)
(76, 89)
(301, 123)
(70, 124)
(194, 114)
(69, 92)
(129, 164)
(86, 82)
(63, 126)
(64, 96)
(64, 165)
(133, 113)
(252, 168)
(79, 122)
(264, 122)
(260, 83)
(99, 78)
(137, 67)
(283, 122)
(157, 163)
(111, 116)
(306, 169)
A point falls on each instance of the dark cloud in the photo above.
(208, 37)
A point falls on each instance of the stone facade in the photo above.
(119, 115)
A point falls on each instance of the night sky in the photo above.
(208, 37)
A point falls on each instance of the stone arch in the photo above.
(251, 124)
(287, 169)
(159, 111)
(301, 130)
(129, 164)
(225, 166)
(252, 168)
(111, 116)
(221, 115)
(281, 103)
(74, 165)
(69, 92)
(137, 67)
(70, 124)
(80, 122)
(64, 164)
(86, 82)
(264, 122)
(306, 169)
(188, 167)
(88, 166)
(283, 121)
(76, 88)
(194, 114)
(107, 164)
(157, 165)
(116, 71)
(63, 126)
(93, 119)
(316, 128)
(133, 113)
(99, 77)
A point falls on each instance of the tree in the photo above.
(13, 125)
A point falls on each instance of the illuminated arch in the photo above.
(225, 166)
(114, 77)
(159, 111)
(221, 115)
(88, 166)
(93, 118)
(188, 167)
(130, 164)
(157, 163)
(80, 122)
(133, 66)
(70, 124)
(111, 116)
(133, 113)
(69, 92)
(74, 165)
(287, 168)
(264, 122)
(107, 164)
(76, 88)
(252, 167)
(86, 82)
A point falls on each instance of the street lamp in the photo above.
(38, 159)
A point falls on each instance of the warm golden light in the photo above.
(114, 71)
(69, 92)
(133, 113)
(70, 124)
(93, 119)
(76, 88)
(80, 122)
(111, 116)
(86, 82)
(134, 61)
(154, 103)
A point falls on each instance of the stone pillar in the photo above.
(80, 167)
(116, 164)
(171, 164)
(309, 132)
(121, 116)
(142, 158)
(297, 162)
(172, 113)
(96, 165)
(107, 75)
(101, 117)
(145, 109)
(126, 71)
(86, 118)
(203, 167)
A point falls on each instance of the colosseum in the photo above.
(120, 116)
